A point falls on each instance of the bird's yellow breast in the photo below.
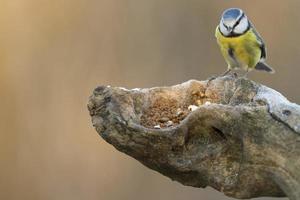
(244, 48)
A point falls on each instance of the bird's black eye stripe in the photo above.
(225, 26)
(239, 20)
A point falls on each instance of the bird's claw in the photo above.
(210, 79)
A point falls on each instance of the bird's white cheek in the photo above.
(223, 29)
(242, 26)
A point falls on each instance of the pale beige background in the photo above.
(54, 52)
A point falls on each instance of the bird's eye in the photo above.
(239, 20)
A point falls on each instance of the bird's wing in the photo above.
(261, 43)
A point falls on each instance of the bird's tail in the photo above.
(264, 67)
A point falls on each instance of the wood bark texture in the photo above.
(243, 138)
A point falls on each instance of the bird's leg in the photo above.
(245, 75)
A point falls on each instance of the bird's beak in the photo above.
(230, 29)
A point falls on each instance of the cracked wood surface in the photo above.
(245, 142)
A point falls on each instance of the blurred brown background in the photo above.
(54, 52)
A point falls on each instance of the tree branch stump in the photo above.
(242, 139)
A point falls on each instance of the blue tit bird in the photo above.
(240, 44)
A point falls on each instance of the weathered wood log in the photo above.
(243, 139)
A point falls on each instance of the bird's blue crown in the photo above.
(232, 13)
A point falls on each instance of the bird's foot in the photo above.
(210, 79)
(245, 75)
(226, 72)
(221, 75)
(235, 75)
